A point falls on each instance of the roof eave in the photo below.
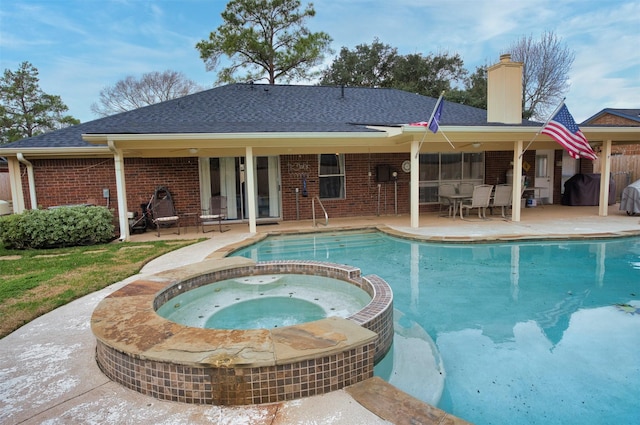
(90, 151)
(526, 133)
(99, 139)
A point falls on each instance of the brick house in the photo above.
(618, 118)
(625, 159)
(272, 149)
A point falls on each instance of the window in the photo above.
(450, 166)
(541, 165)
(473, 167)
(438, 168)
(331, 176)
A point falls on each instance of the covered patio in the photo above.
(541, 222)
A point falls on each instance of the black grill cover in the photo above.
(584, 189)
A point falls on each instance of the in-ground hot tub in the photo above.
(265, 301)
(153, 355)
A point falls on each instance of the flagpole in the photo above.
(423, 136)
(445, 136)
(545, 124)
(435, 108)
(433, 113)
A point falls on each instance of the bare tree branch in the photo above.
(547, 63)
(153, 87)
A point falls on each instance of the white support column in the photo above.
(121, 189)
(15, 181)
(414, 185)
(204, 170)
(605, 171)
(517, 181)
(251, 188)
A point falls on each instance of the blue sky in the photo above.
(82, 46)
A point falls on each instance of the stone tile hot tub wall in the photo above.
(154, 356)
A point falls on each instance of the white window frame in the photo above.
(341, 174)
(434, 184)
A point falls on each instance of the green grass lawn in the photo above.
(34, 282)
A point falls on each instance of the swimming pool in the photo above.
(532, 332)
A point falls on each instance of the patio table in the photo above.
(456, 201)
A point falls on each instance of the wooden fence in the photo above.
(625, 169)
(5, 188)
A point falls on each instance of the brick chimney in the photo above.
(504, 91)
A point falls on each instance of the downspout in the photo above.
(32, 181)
(123, 220)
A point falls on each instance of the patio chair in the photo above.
(162, 211)
(479, 199)
(466, 189)
(502, 198)
(215, 214)
(444, 190)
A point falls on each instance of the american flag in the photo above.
(564, 130)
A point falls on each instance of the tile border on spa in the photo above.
(147, 353)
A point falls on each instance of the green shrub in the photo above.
(58, 227)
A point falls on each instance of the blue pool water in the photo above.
(535, 332)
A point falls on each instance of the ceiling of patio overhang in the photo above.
(386, 140)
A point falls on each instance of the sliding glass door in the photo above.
(227, 176)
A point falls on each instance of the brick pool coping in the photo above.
(152, 355)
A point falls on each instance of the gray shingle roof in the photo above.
(630, 114)
(256, 108)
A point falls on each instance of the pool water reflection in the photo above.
(533, 332)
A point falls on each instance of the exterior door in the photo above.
(267, 187)
(227, 177)
(543, 182)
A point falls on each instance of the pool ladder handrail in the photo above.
(313, 211)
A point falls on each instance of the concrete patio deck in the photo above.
(48, 372)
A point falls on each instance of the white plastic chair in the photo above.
(502, 197)
(479, 199)
(446, 189)
(466, 188)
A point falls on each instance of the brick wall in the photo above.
(557, 177)
(70, 181)
(498, 163)
(78, 181)
(609, 119)
(496, 166)
(179, 175)
(361, 186)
